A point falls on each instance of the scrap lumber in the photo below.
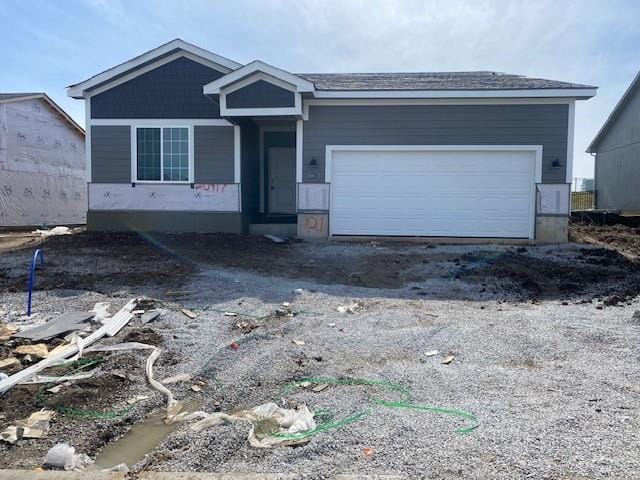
(110, 328)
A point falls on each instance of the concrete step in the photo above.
(284, 229)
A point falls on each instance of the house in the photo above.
(42, 164)
(617, 155)
(181, 139)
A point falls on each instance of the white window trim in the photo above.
(329, 149)
(134, 154)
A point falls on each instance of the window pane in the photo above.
(148, 146)
(175, 155)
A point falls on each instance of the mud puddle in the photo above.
(140, 440)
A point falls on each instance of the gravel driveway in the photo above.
(549, 373)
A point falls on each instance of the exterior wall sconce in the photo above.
(556, 163)
(313, 162)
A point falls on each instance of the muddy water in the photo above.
(140, 440)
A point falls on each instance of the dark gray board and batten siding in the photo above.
(260, 94)
(173, 90)
(545, 124)
(111, 154)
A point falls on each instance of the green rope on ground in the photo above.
(82, 364)
(391, 386)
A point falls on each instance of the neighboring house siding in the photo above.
(213, 154)
(260, 94)
(544, 125)
(111, 154)
(617, 166)
(173, 90)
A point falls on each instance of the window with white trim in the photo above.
(162, 154)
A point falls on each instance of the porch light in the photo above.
(556, 163)
(313, 162)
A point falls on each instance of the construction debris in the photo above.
(275, 239)
(110, 328)
(137, 399)
(9, 362)
(67, 322)
(151, 315)
(431, 353)
(36, 426)
(189, 313)
(288, 424)
(353, 308)
(6, 331)
(39, 350)
(448, 359)
(181, 377)
(300, 343)
(64, 456)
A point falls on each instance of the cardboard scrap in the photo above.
(39, 350)
(36, 426)
(9, 362)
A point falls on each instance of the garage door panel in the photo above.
(432, 193)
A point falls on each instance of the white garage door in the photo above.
(452, 193)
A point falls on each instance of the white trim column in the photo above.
(237, 166)
(87, 137)
(570, 130)
(299, 145)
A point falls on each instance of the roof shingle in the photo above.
(432, 81)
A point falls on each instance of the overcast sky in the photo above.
(49, 44)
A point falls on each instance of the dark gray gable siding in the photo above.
(213, 154)
(544, 125)
(260, 94)
(111, 154)
(173, 90)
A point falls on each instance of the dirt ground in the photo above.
(544, 340)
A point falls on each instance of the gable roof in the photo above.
(177, 45)
(249, 69)
(483, 80)
(626, 96)
(20, 96)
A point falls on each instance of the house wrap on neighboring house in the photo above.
(42, 164)
(181, 139)
(617, 150)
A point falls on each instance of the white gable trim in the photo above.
(188, 50)
(216, 86)
(253, 78)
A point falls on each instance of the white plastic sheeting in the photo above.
(553, 199)
(313, 196)
(169, 197)
(42, 167)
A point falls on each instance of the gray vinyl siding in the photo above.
(213, 160)
(173, 90)
(617, 165)
(260, 94)
(111, 154)
(544, 125)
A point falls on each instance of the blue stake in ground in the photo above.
(32, 276)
